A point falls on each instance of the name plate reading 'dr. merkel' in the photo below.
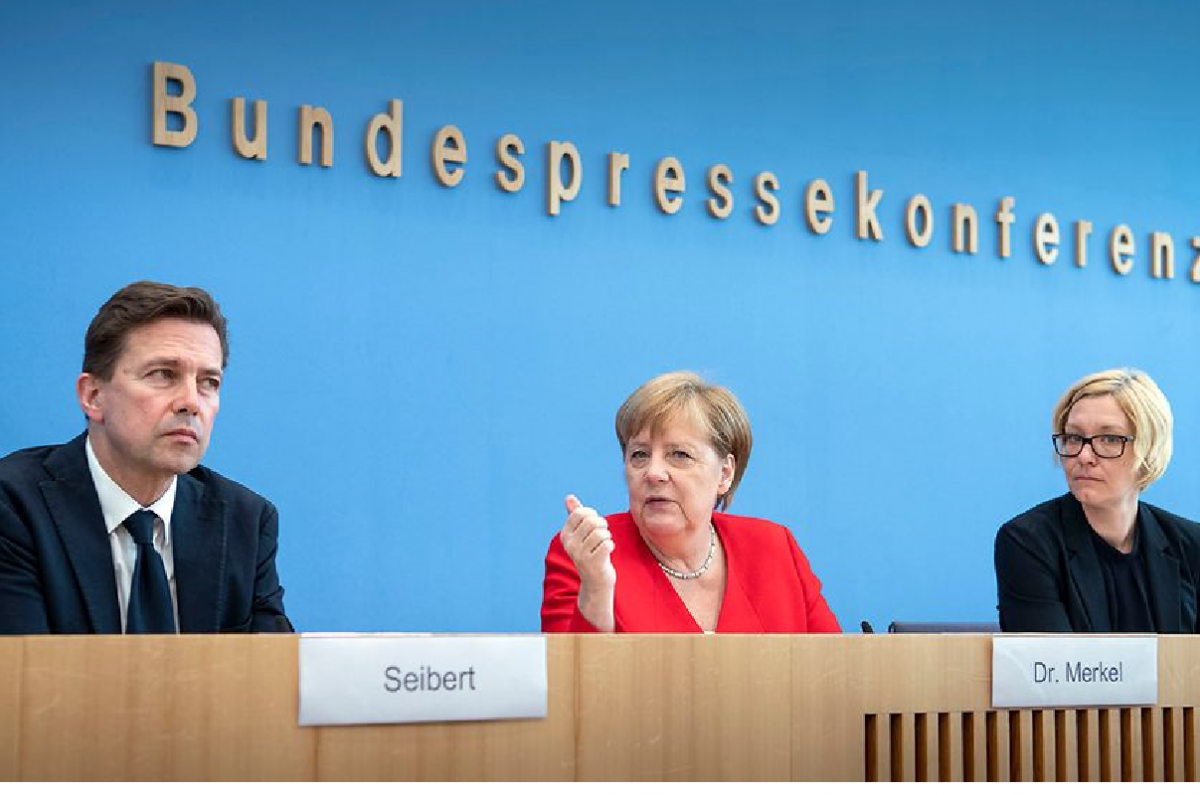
(1074, 671)
(354, 679)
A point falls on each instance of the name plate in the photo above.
(1074, 671)
(349, 679)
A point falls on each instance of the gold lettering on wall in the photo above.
(1082, 230)
(1004, 222)
(767, 211)
(1045, 238)
(173, 99)
(618, 162)
(965, 221)
(511, 176)
(669, 179)
(556, 192)
(391, 124)
(1162, 256)
(449, 146)
(311, 117)
(251, 149)
(721, 203)
(818, 206)
(179, 104)
(919, 232)
(1120, 247)
(868, 202)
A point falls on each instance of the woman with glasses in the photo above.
(1098, 559)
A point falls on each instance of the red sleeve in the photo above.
(820, 617)
(560, 593)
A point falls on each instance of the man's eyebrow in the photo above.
(159, 361)
(177, 363)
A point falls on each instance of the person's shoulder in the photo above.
(750, 530)
(1186, 528)
(1047, 513)
(28, 465)
(749, 524)
(217, 486)
(1040, 527)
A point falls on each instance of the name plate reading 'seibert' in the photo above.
(351, 679)
(1074, 671)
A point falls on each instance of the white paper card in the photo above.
(1074, 671)
(348, 679)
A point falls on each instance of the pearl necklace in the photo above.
(691, 575)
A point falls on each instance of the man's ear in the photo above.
(89, 391)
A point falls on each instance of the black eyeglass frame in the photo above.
(1086, 441)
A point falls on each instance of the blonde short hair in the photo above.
(712, 408)
(1145, 407)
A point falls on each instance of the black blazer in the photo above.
(1049, 579)
(56, 566)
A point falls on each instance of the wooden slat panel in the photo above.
(1172, 718)
(908, 745)
(903, 747)
(1110, 744)
(1131, 744)
(885, 748)
(12, 661)
(1152, 744)
(1085, 753)
(1190, 749)
(872, 764)
(949, 747)
(1044, 745)
(925, 767)
(975, 757)
(1020, 763)
(1092, 769)
(1066, 745)
(999, 746)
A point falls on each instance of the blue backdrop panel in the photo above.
(419, 374)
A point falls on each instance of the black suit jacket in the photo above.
(1049, 579)
(56, 566)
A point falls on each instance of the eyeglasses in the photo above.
(1105, 445)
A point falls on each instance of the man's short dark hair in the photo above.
(138, 304)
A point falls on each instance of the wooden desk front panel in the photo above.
(620, 708)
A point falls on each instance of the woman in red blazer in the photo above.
(672, 563)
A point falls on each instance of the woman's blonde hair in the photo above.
(1146, 408)
(712, 408)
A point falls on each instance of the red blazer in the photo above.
(769, 586)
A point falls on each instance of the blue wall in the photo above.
(419, 374)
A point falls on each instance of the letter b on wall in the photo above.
(179, 104)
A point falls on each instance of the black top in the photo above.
(1125, 587)
(1050, 578)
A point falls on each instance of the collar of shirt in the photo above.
(117, 505)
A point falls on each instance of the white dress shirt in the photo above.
(117, 505)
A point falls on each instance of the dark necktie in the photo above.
(150, 609)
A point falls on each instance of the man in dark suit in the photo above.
(120, 529)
